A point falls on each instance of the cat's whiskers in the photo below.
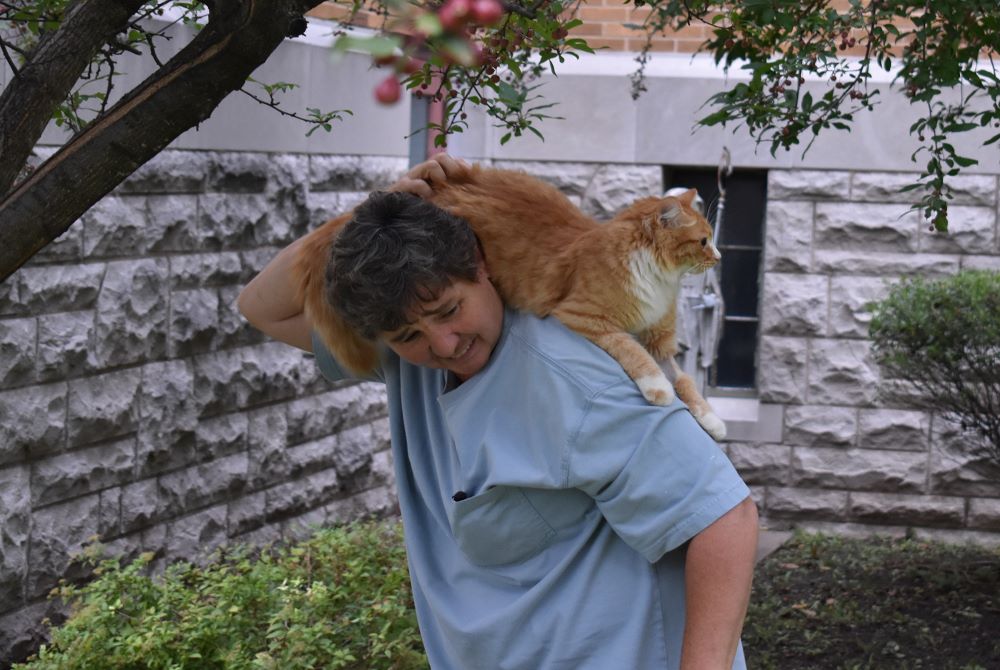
(710, 209)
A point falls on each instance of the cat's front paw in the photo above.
(656, 389)
(713, 425)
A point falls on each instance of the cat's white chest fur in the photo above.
(654, 288)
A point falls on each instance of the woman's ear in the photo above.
(482, 271)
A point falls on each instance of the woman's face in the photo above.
(455, 331)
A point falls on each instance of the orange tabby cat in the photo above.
(615, 283)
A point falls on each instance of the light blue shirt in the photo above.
(546, 506)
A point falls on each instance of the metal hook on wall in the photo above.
(724, 171)
(713, 331)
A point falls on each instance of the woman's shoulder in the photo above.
(557, 350)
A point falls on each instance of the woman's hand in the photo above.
(422, 177)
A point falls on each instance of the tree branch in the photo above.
(238, 38)
(52, 68)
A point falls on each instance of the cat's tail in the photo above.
(353, 352)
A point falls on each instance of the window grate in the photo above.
(741, 243)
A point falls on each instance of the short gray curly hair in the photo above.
(397, 250)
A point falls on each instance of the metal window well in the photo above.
(726, 298)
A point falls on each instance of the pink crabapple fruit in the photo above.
(388, 91)
(454, 14)
(486, 12)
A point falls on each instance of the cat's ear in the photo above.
(670, 216)
(688, 197)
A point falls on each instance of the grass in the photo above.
(823, 602)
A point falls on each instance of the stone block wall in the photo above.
(850, 459)
(138, 407)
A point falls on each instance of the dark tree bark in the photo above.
(52, 68)
(238, 38)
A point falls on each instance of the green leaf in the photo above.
(429, 24)
(715, 118)
(579, 44)
(989, 75)
(380, 45)
(961, 127)
(941, 221)
(973, 78)
(459, 50)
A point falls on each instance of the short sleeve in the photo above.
(658, 478)
(329, 366)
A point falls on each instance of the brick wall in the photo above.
(604, 27)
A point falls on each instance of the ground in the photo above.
(831, 603)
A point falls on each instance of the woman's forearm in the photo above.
(270, 301)
(718, 573)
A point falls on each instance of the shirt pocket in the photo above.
(499, 526)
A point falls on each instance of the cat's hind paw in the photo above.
(656, 389)
(713, 425)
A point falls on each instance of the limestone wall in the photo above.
(848, 459)
(137, 406)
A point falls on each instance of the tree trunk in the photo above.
(52, 68)
(239, 37)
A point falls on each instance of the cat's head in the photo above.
(675, 230)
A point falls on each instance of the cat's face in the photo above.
(678, 234)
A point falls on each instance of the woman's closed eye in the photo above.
(405, 336)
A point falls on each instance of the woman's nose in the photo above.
(442, 341)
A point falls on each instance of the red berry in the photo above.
(388, 91)
(454, 13)
(486, 12)
(411, 66)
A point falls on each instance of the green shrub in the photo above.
(943, 337)
(339, 599)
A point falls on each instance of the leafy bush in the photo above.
(339, 599)
(943, 337)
